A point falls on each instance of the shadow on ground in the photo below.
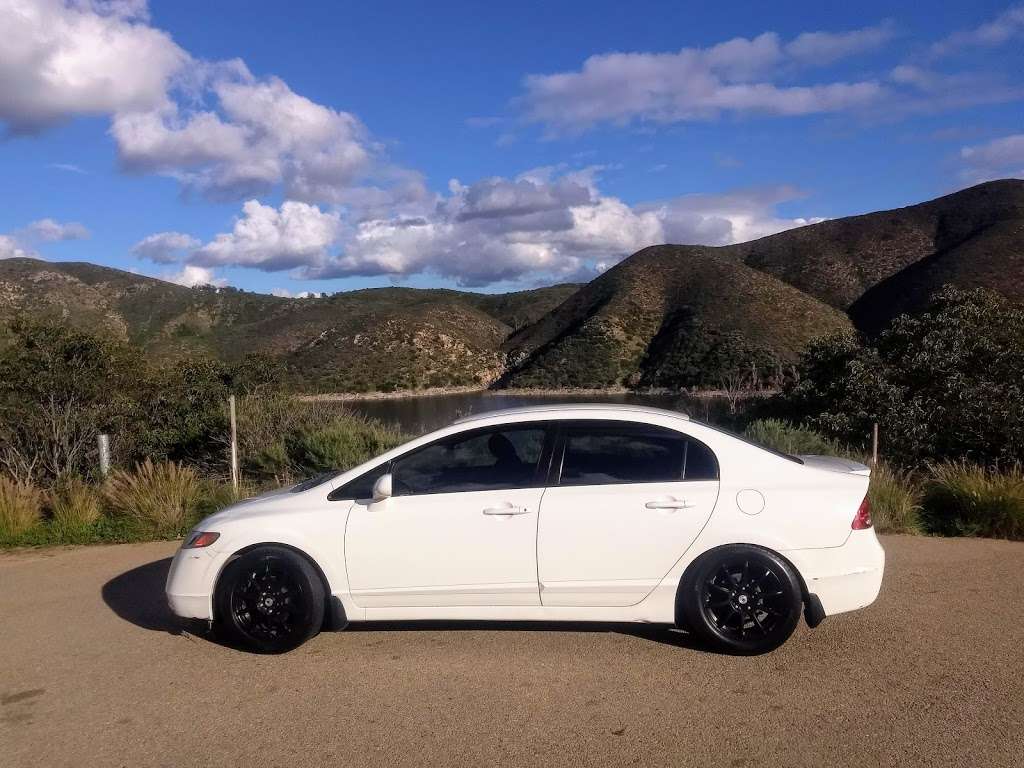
(137, 596)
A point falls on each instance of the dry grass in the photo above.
(161, 497)
(21, 507)
(75, 504)
(962, 499)
(895, 497)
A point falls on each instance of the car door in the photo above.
(627, 500)
(460, 527)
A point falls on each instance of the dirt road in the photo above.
(93, 672)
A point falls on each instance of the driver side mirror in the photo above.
(382, 488)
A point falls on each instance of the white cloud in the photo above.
(826, 47)
(63, 59)
(49, 230)
(272, 239)
(999, 158)
(192, 276)
(165, 247)
(1003, 28)
(67, 167)
(284, 293)
(701, 84)
(10, 248)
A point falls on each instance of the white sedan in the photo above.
(604, 513)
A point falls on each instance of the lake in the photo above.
(416, 415)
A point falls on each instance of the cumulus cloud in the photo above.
(733, 77)
(272, 239)
(10, 248)
(1005, 27)
(192, 276)
(165, 247)
(999, 158)
(49, 230)
(284, 293)
(61, 59)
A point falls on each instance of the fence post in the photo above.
(234, 443)
(104, 445)
(874, 445)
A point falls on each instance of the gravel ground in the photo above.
(93, 671)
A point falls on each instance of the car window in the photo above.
(360, 487)
(606, 454)
(483, 460)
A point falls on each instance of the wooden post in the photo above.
(104, 445)
(874, 445)
(234, 443)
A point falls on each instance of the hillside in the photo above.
(971, 238)
(669, 316)
(385, 338)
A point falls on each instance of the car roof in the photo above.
(572, 410)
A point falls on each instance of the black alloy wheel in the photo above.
(270, 600)
(742, 599)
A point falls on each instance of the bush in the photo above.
(21, 507)
(895, 497)
(75, 504)
(962, 499)
(787, 438)
(161, 498)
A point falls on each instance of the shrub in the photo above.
(787, 438)
(75, 504)
(962, 499)
(163, 498)
(21, 507)
(895, 497)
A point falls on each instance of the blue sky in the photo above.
(321, 147)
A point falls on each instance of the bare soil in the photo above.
(94, 671)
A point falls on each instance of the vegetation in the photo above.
(20, 507)
(945, 384)
(162, 498)
(789, 438)
(75, 506)
(961, 499)
(895, 498)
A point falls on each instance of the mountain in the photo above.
(878, 265)
(383, 338)
(668, 316)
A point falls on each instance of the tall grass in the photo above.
(21, 507)
(962, 499)
(789, 438)
(895, 497)
(75, 504)
(162, 498)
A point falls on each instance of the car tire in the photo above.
(269, 600)
(741, 599)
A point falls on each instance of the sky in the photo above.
(300, 148)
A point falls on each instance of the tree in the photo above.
(945, 383)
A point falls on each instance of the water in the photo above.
(416, 415)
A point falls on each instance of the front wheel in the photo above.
(269, 600)
(742, 599)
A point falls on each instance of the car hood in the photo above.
(272, 502)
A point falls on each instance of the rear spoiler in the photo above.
(836, 464)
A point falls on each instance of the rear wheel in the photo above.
(269, 600)
(742, 599)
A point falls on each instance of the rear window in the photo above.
(598, 454)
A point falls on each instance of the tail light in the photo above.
(862, 519)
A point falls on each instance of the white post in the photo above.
(874, 445)
(104, 446)
(234, 444)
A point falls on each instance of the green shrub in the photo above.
(75, 505)
(787, 438)
(21, 507)
(895, 497)
(162, 498)
(962, 499)
(214, 495)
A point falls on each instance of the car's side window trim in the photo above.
(623, 427)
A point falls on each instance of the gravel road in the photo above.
(93, 671)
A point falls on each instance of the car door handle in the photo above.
(669, 504)
(509, 510)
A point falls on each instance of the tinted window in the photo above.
(478, 461)
(361, 487)
(604, 454)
